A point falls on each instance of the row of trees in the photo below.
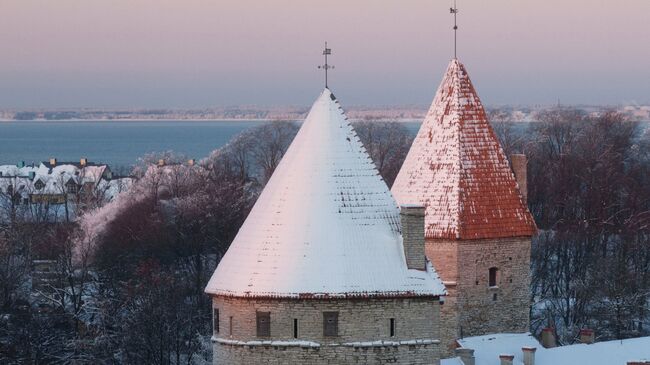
(589, 192)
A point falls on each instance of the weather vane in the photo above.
(454, 11)
(326, 66)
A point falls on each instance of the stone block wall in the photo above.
(363, 331)
(478, 308)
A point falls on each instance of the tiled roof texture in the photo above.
(325, 225)
(457, 169)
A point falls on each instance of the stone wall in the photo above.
(477, 308)
(363, 331)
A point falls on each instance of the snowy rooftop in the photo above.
(325, 224)
(488, 348)
(457, 169)
(52, 179)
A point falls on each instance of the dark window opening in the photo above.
(295, 328)
(476, 282)
(230, 326)
(493, 276)
(392, 327)
(494, 297)
(215, 319)
(263, 324)
(330, 324)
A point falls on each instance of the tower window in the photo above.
(230, 326)
(263, 324)
(295, 328)
(392, 327)
(215, 320)
(493, 276)
(330, 324)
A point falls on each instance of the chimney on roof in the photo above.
(83, 162)
(587, 336)
(529, 355)
(412, 217)
(506, 359)
(466, 356)
(161, 162)
(21, 164)
(519, 167)
(190, 162)
(548, 338)
(53, 162)
(32, 175)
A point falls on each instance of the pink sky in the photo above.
(193, 53)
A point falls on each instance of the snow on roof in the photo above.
(457, 169)
(488, 348)
(325, 225)
(54, 177)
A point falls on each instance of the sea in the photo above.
(121, 143)
(117, 143)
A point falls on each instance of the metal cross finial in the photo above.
(454, 11)
(326, 66)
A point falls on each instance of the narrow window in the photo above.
(215, 320)
(230, 326)
(494, 297)
(392, 327)
(263, 324)
(493, 276)
(295, 328)
(330, 324)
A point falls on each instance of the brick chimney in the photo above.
(529, 355)
(466, 356)
(587, 336)
(53, 162)
(506, 359)
(191, 162)
(548, 338)
(161, 162)
(519, 167)
(83, 162)
(412, 217)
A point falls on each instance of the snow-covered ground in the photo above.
(488, 348)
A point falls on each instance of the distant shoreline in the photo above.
(399, 120)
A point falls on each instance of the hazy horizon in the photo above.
(197, 53)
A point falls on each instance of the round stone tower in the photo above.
(319, 272)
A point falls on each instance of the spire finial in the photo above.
(454, 11)
(326, 66)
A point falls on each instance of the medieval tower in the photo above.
(327, 269)
(477, 226)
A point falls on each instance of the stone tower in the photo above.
(478, 228)
(320, 273)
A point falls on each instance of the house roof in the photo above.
(325, 225)
(457, 169)
(488, 348)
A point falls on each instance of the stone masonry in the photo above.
(363, 331)
(472, 307)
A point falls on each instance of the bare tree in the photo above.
(387, 143)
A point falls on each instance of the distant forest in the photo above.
(125, 279)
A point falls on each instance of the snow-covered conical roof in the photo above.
(457, 169)
(325, 224)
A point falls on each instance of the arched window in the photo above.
(494, 273)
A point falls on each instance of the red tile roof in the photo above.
(457, 169)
